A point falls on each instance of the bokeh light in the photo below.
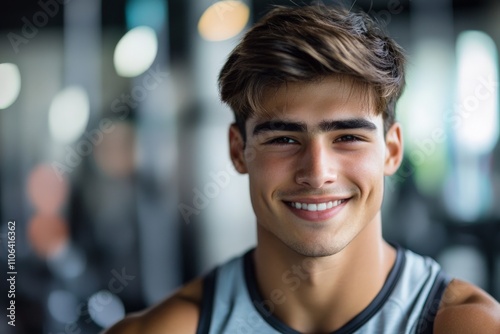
(10, 84)
(421, 110)
(136, 51)
(67, 262)
(63, 306)
(223, 20)
(146, 12)
(105, 308)
(477, 93)
(69, 114)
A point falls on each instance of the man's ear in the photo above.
(394, 149)
(236, 149)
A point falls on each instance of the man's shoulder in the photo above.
(177, 314)
(465, 308)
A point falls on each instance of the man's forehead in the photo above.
(332, 95)
(286, 114)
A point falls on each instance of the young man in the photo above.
(313, 90)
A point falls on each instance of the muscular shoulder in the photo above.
(466, 308)
(176, 314)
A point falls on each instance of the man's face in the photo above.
(316, 162)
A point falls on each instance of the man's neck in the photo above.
(322, 294)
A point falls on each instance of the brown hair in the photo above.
(304, 44)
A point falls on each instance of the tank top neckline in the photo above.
(350, 327)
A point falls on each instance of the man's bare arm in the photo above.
(467, 309)
(177, 314)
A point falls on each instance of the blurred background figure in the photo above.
(114, 160)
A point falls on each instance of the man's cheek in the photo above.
(364, 174)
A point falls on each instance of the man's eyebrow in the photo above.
(353, 123)
(324, 126)
(279, 126)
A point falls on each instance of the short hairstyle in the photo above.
(305, 44)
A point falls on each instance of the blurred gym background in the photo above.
(114, 160)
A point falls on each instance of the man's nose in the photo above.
(317, 167)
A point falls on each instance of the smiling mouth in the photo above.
(316, 206)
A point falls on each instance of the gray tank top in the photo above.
(407, 303)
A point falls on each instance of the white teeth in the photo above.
(317, 206)
(312, 207)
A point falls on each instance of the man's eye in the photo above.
(281, 141)
(347, 138)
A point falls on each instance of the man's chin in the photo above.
(317, 249)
